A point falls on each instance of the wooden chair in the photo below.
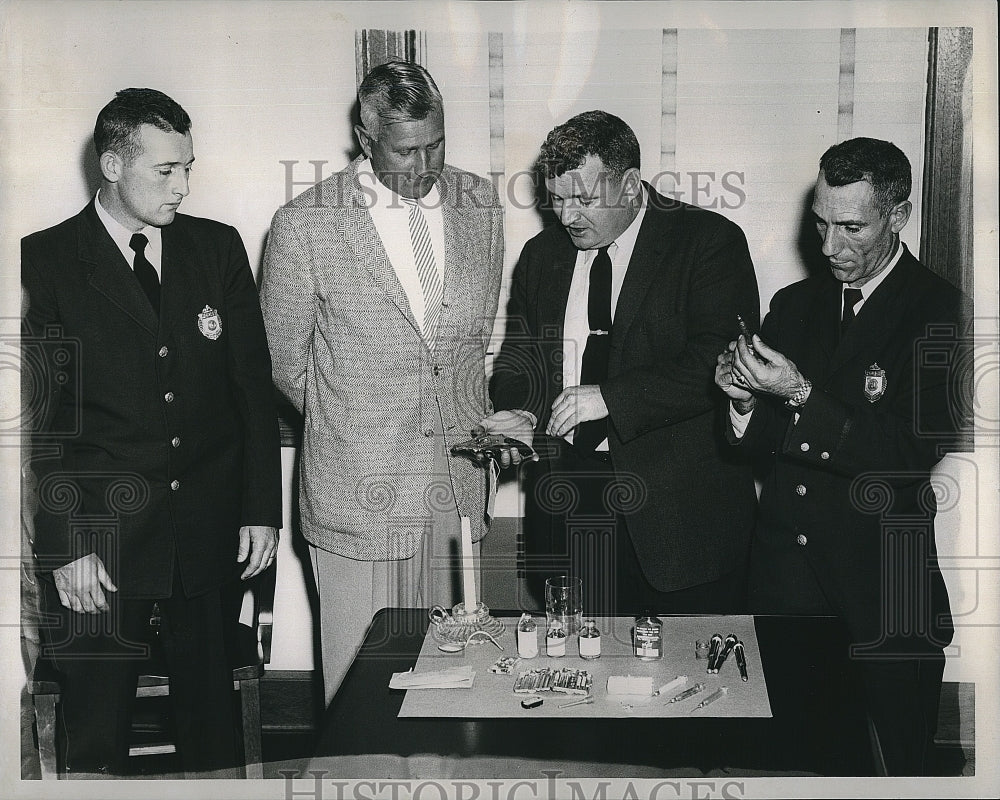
(251, 652)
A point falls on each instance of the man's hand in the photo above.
(575, 405)
(732, 383)
(765, 370)
(515, 424)
(260, 545)
(81, 585)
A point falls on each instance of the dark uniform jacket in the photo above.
(690, 274)
(848, 485)
(153, 440)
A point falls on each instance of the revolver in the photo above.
(487, 445)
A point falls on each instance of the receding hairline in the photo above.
(377, 113)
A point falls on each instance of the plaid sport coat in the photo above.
(349, 355)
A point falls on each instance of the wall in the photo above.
(270, 87)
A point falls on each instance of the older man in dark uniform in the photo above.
(847, 400)
(154, 438)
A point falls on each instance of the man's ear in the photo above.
(364, 139)
(111, 166)
(631, 184)
(899, 215)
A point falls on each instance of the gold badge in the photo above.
(875, 382)
(210, 323)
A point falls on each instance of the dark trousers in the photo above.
(572, 527)
(100, 658)
(902, 693)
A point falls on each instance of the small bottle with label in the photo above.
(527, 637)
(589, 640)
(648, 638)
(555, 640)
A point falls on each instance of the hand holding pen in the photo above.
(747, 334)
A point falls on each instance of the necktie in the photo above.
(594, 369)
(851, 298)
(144, 271)
(430, 280)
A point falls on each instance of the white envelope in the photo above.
(451, 678)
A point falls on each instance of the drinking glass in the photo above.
(564, 601)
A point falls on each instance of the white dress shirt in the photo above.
(391, 218)
(576, 327)
(122, 237)
(740, 421)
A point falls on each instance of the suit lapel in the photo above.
(180, 277)
(554, 286)
(110, 274)
(360, 233)
(647, 257)
(822, 320)
(457, 270)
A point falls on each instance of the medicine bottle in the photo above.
(648, 638)
(555, 640)
(527, 637)
(590, 640)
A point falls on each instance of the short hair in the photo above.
(117, 128)
(592, 133)
(397, 91)
(876, 161)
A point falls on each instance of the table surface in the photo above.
(819, 725)
(492, 695)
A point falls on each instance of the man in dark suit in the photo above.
(154, 439)
(847, 399)
(614, 320)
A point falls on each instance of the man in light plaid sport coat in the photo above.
(385, 363)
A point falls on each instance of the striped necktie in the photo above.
(430, 280)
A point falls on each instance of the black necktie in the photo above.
(144, 271)
(851, 298)
(594, 369)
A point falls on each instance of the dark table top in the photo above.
(819, 724)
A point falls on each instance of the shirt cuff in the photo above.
(739, 421)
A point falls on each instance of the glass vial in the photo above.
(555, 640)
(589, 640)
(527, 637)
(648, 638)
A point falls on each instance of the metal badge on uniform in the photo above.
(210, 323)
(875, 382)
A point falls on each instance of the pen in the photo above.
(713, 651)
(741, 660)
(747, 335)
(726, 650)
(698, 687)
(711, 698)
(581, 702)
(680, 680)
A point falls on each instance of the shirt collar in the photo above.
(122, 235)
(874, 283)
(626, 241)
